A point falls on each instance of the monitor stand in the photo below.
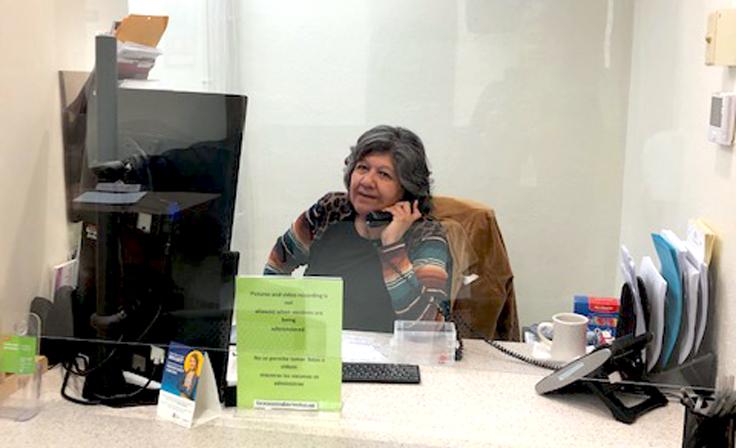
(105, 381)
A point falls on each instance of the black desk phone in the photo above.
(593, 373)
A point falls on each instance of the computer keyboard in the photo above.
(363, 372)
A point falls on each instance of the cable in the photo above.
(100, 399)
(119, 342)
(73, 367)
(86, 372)
(105, 398)
(66, 365)
(527, 359)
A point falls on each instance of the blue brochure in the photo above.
(673, 309)
(182, 371)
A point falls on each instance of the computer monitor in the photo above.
(173, 273)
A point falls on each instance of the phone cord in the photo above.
(551, 365)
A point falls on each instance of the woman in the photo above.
(188, 382)
(397, 270)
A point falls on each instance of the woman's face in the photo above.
(374, 184)
(193, 363)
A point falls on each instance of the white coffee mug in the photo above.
(569, 339)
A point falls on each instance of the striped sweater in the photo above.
(415, 269)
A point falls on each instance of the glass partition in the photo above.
(521, 111)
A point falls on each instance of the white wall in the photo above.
(672, 173)
(184, 44)
(37, 38)
(521, 105)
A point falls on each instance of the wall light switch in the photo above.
(720, 38)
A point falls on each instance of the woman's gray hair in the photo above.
(406, 150)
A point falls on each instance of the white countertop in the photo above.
(487, 399)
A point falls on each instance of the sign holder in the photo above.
(289, 333)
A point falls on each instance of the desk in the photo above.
(487, 399)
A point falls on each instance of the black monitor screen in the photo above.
(167, 261)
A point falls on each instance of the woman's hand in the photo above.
(404, 214)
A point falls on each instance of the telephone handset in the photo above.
(378, 218)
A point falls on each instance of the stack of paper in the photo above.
(138, 37)
(135, 60)
(656, 287)
(700, 242)
(690, 274)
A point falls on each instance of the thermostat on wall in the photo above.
(722, 115)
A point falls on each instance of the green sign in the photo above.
(289, 342)
(17, 354)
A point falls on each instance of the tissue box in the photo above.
(602, 312)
